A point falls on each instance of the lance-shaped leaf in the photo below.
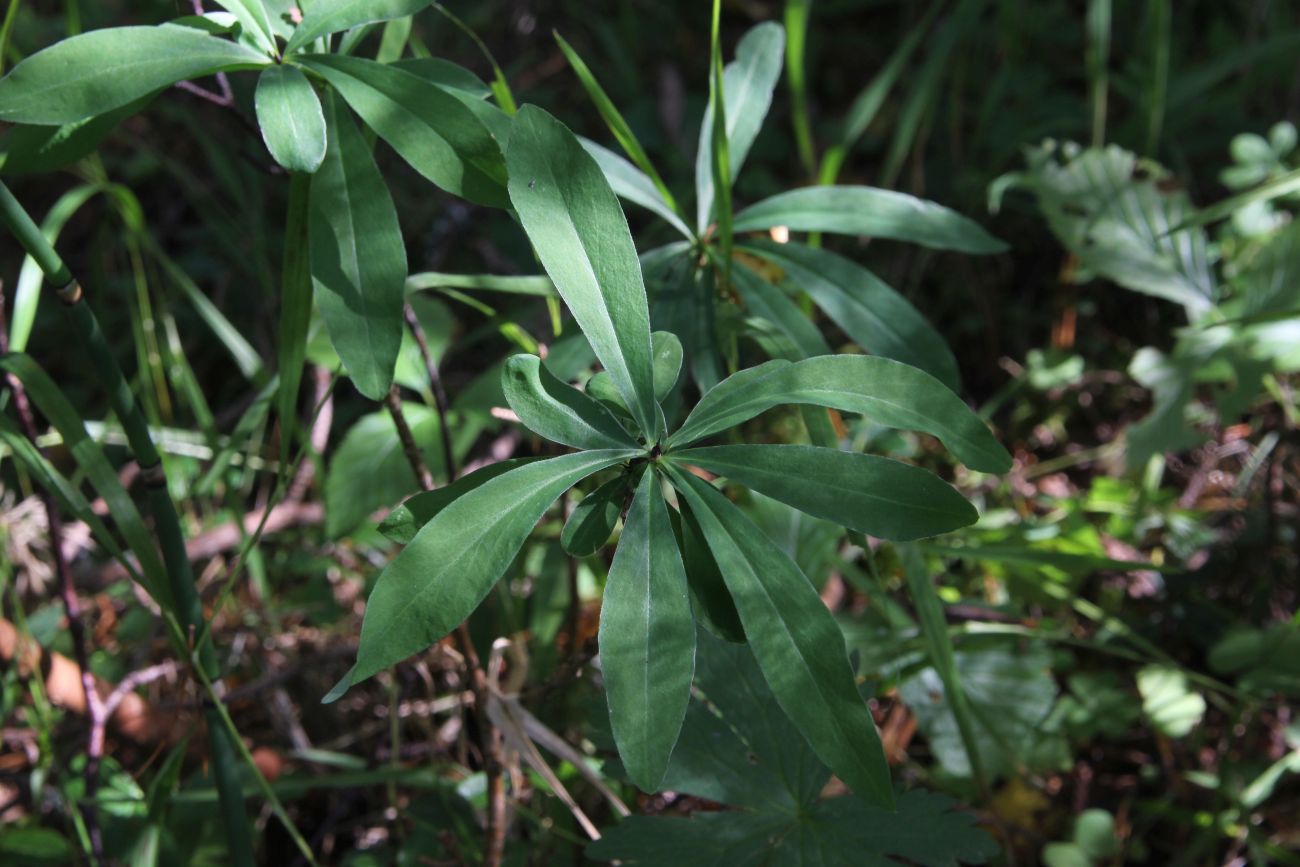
(99, 71)
(747, 85)
(797, 643)
(874, 495)
(889, 392)
(451, 564)
(592, 521)
(405, 521)
(869, 211)
(557, 410)
(877, 318)
(431, 128)
(633, 185)
(253, 20)
(290, 117)
(647, 638)
(578, 229)
(39, 149)
(323, 17)
(773, 305)
(358, 260)
(446, 74)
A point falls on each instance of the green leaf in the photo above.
(358, 259)
(559, 411)
(405, 521)
(891, 393)
(1262, 661)
(647, 638)
(869, 211)
(1285, 184)
(878, 319)
(1168, 702)
(253, 20)
(631, 184)
(96, 72)
(370, 470)
(874, 495)
(797, 642)
(773, 305)
(938, 647)
(738, 748)
(39, 149)
(290, 116)
(578, 229)
(925, 830)
(602, 388)
(1117, 213)
(747, 85)
(431, 128)
(451, 564)
(38, 847)
(710, 601)
(1065, 855)
(323, 17)
(1064, 560)
(666, 361)
(541, 287)
(592, 521)
(870, 99)
(1010, 693)
(445, 74)
(1094, 831)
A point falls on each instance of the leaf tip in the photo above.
(344, 684)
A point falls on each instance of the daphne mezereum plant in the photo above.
(343, 245)
(691, 279)
(469, 532)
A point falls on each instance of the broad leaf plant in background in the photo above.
(686, 554)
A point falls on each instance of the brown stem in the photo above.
(68, 593)
(422, 475)
(435, 382)
(489, 736)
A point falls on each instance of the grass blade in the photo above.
(614, 120)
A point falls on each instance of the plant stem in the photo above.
(796, 30)
(440, 403)
(721, 151)
(393, 401)
(295, 309)
(166, 520)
